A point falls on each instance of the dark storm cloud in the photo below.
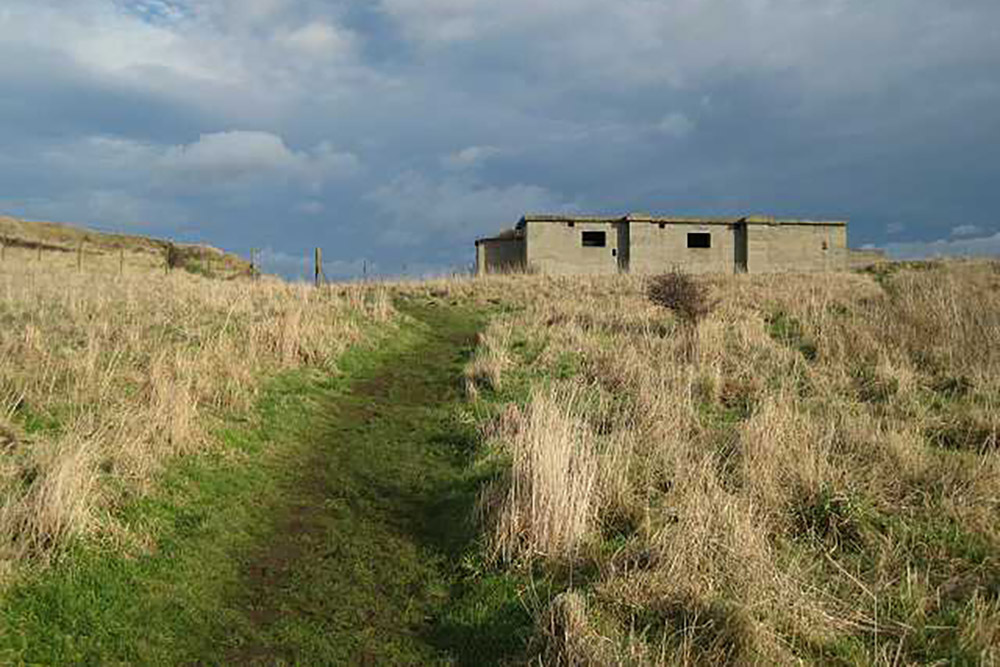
(394, 132)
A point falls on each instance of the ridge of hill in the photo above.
(62, 237)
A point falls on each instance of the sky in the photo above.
(392, 133)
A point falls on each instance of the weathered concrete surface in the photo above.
(557, 248)
(663, 246)
(500, 255)
(796, 247)
(643, 244)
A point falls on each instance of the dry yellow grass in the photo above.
(65, 245)
(103, 377)
(812, 473)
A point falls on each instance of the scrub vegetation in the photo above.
(104, 378)
(808, 471)
(509, 469)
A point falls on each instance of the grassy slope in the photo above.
(63, 238)
(799, 451)
(331, 530)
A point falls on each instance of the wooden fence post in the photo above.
(39, 252)
(121, 261)
(319, 266)
(79, 256)
(3, 250)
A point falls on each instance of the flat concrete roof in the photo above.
(512, 234)
(505, 235)
(680, 219)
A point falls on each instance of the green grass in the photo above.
(334, 527)
(786, 329)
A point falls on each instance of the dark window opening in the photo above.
(663, 225)
(594, 239)
(699, 240)
(825, 246)
(571, 224)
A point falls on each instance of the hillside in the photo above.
(53, 237)
(794, 469)
(501, 470)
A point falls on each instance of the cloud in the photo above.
(320, 40)
(965, 230)
(105, 40)
(422, 211)
(230, 158)
(248, 60)
(470, 156)
(683, 42)
(402, 129)
(966, 247)
(311, 207)
(240, 157)
(156, 11)
(675, 125)
(101, 208)
(229, 154)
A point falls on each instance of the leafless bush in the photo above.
(682, 294)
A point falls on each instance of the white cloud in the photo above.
(973, 246)
(320, 40)
(220, 161)
(252, 60)
(895, 228)
(470, 156)
(965, 230)
(682, 41)
(235, 153)
(332, 162)
(247, 12)
(239, 156)
(580, 96)
(104, 39)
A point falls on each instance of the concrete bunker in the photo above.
(644, 244)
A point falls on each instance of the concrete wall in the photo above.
(556, 248)
(649, 247)
(500, 256)
(790, 247)
(658, 249)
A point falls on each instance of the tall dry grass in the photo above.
(104, 377)
(811, 473)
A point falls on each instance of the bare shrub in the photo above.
(682, 294)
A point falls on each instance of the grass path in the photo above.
(362, 563)
(343, 536)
